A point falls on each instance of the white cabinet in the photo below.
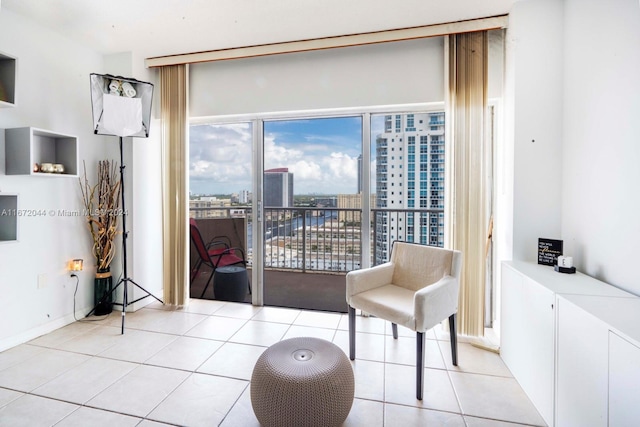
(7, 81)
(529, 329)
(624, 382)
(582, 368)
(28, 146)
(8, 217)
(598, 361)
(527, 337)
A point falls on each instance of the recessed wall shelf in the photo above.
(28, 146)
(8, 218)
(7, 81)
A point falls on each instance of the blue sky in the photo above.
(321, 153)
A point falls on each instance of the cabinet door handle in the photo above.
(551, 306)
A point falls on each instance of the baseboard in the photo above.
(38, 331)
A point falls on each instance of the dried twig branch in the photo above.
(101, 202)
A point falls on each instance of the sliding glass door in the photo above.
(311, 200)
(221, 180)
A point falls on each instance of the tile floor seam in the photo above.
(404, 405)
(79, 405)
(234, 403)
(165, 398)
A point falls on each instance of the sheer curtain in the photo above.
(174, 102)
(470, 154)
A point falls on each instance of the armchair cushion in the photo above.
(389, 302)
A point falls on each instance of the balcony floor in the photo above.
(192, 367)
(311, 291)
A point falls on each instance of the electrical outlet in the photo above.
(42, 280)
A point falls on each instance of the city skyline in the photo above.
(322, 154)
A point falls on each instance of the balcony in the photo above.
(307, 251)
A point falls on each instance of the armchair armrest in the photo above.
(368, 278)
(436, 302)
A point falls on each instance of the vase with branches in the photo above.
(101, 204)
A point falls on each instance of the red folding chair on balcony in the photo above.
(215, 254)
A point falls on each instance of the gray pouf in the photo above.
(302, 382)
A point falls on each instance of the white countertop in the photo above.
(563, 283)
(621, 314)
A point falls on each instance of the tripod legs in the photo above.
(125, 233)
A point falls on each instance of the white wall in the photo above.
(535, 59)
(53, 94)
(574, 84)
(601, 150)
(146, 181)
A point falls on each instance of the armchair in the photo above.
(417, 288)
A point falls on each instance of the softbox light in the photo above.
(121, 106)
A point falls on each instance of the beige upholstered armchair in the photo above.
(418, 288)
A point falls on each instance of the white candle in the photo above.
(565, 261)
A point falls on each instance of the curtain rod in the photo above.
(385, 36)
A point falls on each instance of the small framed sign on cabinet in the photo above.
(548, 251)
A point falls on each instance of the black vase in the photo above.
(102, 292)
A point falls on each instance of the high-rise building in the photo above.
(278, 188)
(245, 197)
(410, 175)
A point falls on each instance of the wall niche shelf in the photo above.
(8, 218)
(7, 81)
(28, 146)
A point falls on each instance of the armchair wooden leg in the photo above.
(419, 364)
(453, 332)
(352, 333)
(394, 329)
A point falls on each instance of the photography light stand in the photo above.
(125, 234)
(136, 126)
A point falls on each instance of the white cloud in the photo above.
(220, 162)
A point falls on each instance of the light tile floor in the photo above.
(192, 367)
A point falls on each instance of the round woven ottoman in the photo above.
(302, 382)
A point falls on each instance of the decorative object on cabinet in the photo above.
(567, 270)
(565, 265)
(28, 146)
(7, 80)
(8, 217)
(548, 251)
(122, 107)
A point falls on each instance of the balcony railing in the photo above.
(325, 239)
